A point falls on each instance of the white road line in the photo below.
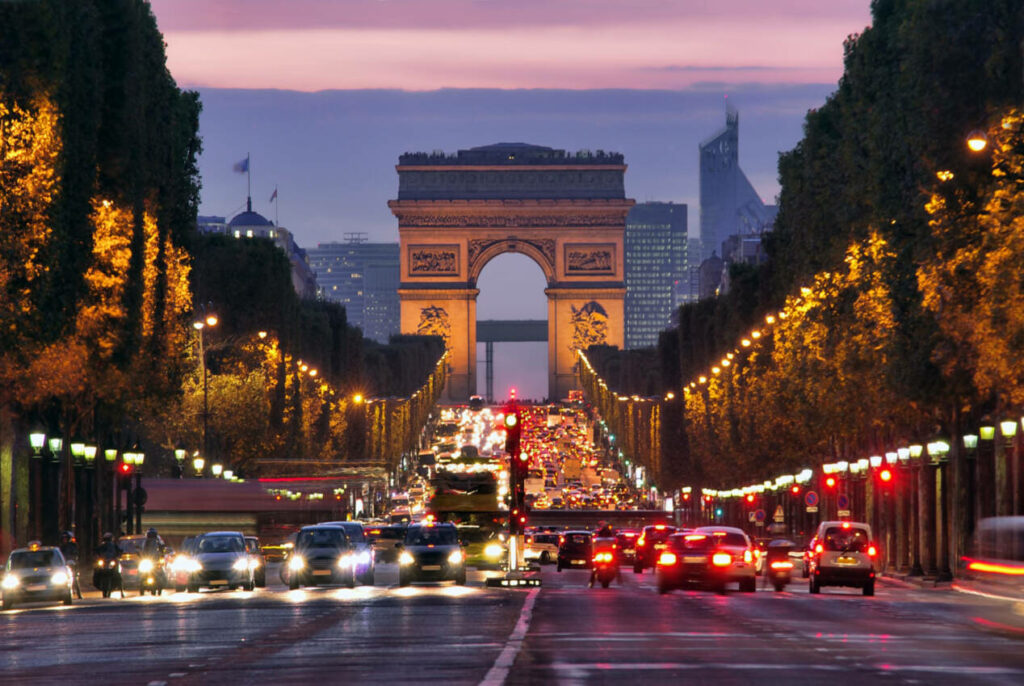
(499, 672)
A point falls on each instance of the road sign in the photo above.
(844, 513)
(779, 515)
(811, 499)
(750, 516)
(812, 508)
(843, 502)
(759, 515)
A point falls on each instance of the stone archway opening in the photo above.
(512, 305)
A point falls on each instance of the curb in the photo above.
(916, 582)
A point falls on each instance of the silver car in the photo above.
(843, 555)
(220, 560)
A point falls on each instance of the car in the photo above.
(541, 546)
(363, 551)
(258, 561)
(220, 561)
(277, 552)
(843, 555)
(183, 564)
(431, 552)
(575, 550)
(994, 568)
(484, 548)
(36, 573)
(649, 544)
(131, 555)
(710, 557)
(625, 539)
(323, 553)
(384, 539)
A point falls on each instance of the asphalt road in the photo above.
(564, 633)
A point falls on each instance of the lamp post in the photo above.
(938, 451)
(139, 495)
(915, 451)
(197, 464)
(179, 460)
(37, 439)
(903, 516)
(206, 319)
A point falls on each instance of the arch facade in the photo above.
(567, 212)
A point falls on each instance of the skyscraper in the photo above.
(656, 273)
(729, 205)
(363, 277)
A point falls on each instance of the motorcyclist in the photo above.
(153, 546)
(108, 549)
(105, 579)
(604, 542)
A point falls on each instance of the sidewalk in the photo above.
(905, 579)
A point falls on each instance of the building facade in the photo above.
(657, 277)
(364, 277)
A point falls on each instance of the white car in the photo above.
(541, 546)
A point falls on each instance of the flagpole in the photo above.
(248, 173)
(277, 203)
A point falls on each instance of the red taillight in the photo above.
(561, 540)
(782, 565)
(846, 525)
(529, 539)
(872, 551)
(667, 559)
(818, 548)
(748, 556)
(603, 557)
(721, 559)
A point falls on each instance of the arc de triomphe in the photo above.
(565, 211)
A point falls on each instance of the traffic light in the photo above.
(830, 482)
(885, 475)
(795, 490)
(124, 473)
(750, 497)
(514, 521)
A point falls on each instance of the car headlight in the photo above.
(405, 559)
(493, 550)
(455, 558)
(363, 558)
(345, 561)
(296, 563)
(145, 566)
(241, 564)
(59, 579)
(11, 581)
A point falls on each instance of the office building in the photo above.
(656, 272)
(364, 277)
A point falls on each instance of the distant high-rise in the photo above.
(729, 205)
(656, 273)
(363, 277)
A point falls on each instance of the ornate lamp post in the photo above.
(197, 464)
(37, 439)
(139, 495)
(179, 460)
(1010, 491)
(938, 451)
(915, 451)
(205, 319)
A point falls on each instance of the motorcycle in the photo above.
(152, 575)
(106, 576)
(778, 567)
(604, 565)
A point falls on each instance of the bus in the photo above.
(452, 491)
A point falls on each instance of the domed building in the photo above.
(249, 224)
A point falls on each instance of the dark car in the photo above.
(575, 549)
(385, 541)
(221, 561)
(710, 557)
(431, 552)
(625, 539)
(323, 554)
(362, 551)
(649, 545)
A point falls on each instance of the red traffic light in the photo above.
(523, 457)
(830, 482)
(885, 475)
(126, 468)
(750, 497)
(686, 496)
(795, 490)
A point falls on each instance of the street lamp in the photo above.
(198, 463)
(217, 469)
(977, 140)
(37, 439)
(206, 319)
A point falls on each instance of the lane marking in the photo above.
(499, 672)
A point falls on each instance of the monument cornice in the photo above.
(509, 168)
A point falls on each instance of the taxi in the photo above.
(36, 573)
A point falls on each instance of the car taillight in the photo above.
(818, 548)
(641, 541)
(603, 557)
(667, 559)
(872, 551)
(747, 556)
(721, 559)
(782, 565)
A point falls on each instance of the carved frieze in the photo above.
(589, 326)
(611, 219)
(433, 260)
(589, 259)
(434, 321)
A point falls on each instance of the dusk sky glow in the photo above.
(312, 45)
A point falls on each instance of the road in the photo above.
(562, 633)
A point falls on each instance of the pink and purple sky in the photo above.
(311, 45)
(326, 94)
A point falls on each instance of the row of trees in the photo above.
(895, 260)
